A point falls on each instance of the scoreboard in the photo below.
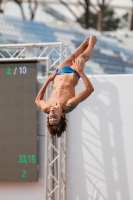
(18, 124)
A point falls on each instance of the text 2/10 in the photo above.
(20, 70)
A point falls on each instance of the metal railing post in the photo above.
(46, 144)
(59, 169)
(61, 52)
(59, 142)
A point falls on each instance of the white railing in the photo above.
(55, 154)
(55, 149)
(33, 52)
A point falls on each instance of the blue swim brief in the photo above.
(66, 69)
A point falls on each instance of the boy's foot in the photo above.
(92, 40)
(86, 41)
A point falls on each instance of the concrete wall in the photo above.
(99, 146)
(100, 142)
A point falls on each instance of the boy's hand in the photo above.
(52, 76)
(78, 64)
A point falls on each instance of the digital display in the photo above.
(18, 123)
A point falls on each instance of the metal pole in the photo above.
(65, 151)
(59, 142)
(29, 45)
(46, 145)
(46, 164)
(59, 169)
(61, 52)
(67, 51)
(23, 59)
(64, 195)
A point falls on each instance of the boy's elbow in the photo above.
(37, 102)
(92, 89)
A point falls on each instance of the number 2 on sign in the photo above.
(8, 70)
(23, 173)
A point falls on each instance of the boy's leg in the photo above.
(75, 54)
(85, 56)
(87, 53)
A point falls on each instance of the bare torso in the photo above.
(63, 98)
(63, 90)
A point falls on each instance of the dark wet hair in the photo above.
(59, 128)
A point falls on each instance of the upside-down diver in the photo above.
(63, 99)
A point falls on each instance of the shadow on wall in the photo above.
(96, 166)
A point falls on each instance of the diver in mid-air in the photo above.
(63, 99)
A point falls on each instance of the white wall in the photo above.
(99, 146)
(100, 142)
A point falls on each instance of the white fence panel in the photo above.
(100, 142)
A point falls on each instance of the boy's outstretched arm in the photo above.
(78, 67)
(39, 99)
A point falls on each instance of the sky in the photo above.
(13, 10)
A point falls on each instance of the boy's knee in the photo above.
(72, 56)
(86, 56)
(82, 57)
